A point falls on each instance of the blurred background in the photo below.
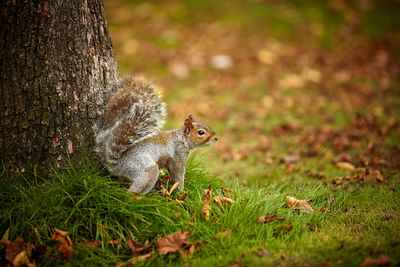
(288, 85)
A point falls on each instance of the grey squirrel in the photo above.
(129, 142)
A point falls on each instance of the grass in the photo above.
(93, 206)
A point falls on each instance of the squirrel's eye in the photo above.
(200, 132)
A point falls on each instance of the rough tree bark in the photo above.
(57, 70)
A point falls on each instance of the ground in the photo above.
(305, 98)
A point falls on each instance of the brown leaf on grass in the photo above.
(261, 219)
(224, 233)
(137, 247)
(13, 248)
(177, 242)
(285, 228)
(183, 196)
(65, 248)
(176, 200)
(18, 252)
(173, 242)
(222, 200)
(378, 176)
(288, 227)
(261, 252)
(267, 219)
(188, 252)
(22, 259)
(135, 197)
(382, 260)
(290, 168)
(140, 258)
(345, 165)
(163, 191)
(205, 209)
(302, 205)
(226, 192)
(174, 186)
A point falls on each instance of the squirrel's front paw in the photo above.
(180, 187)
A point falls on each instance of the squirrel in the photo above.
(132, 146)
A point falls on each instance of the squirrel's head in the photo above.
(198, 133)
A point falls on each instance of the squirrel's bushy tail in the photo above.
(131, 115)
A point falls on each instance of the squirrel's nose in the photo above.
(216, 138)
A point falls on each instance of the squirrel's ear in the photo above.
(188, 124)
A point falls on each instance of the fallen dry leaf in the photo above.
(222, 200)
(205, 209)
(65, 248)
(22, 259)
(345, 165)
(13, 248)
(173, 242)
(378, 176)
(164, 191)
(140, 258)
(137, 197)
(285, 228)
(188, 252)
(177, 242)
(302, 205)
(18, 252)
(267, 219)
(291, 81)
(174, 186)
(290, 168)
(137, 247)
(183, 197)
(224, 233)
(380, 261)
(266, 56)
(262, 253)
(176, 200)
(226, 192)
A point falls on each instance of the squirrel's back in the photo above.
(131, 115)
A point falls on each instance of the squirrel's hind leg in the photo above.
(145, 178)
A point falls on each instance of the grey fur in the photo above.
(131, 145)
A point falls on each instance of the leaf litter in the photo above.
(65, 247)
(18, 252)
(205, 209)
(302, 205)
(177, 242)
(268, 218)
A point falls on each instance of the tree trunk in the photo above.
(57, 70)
